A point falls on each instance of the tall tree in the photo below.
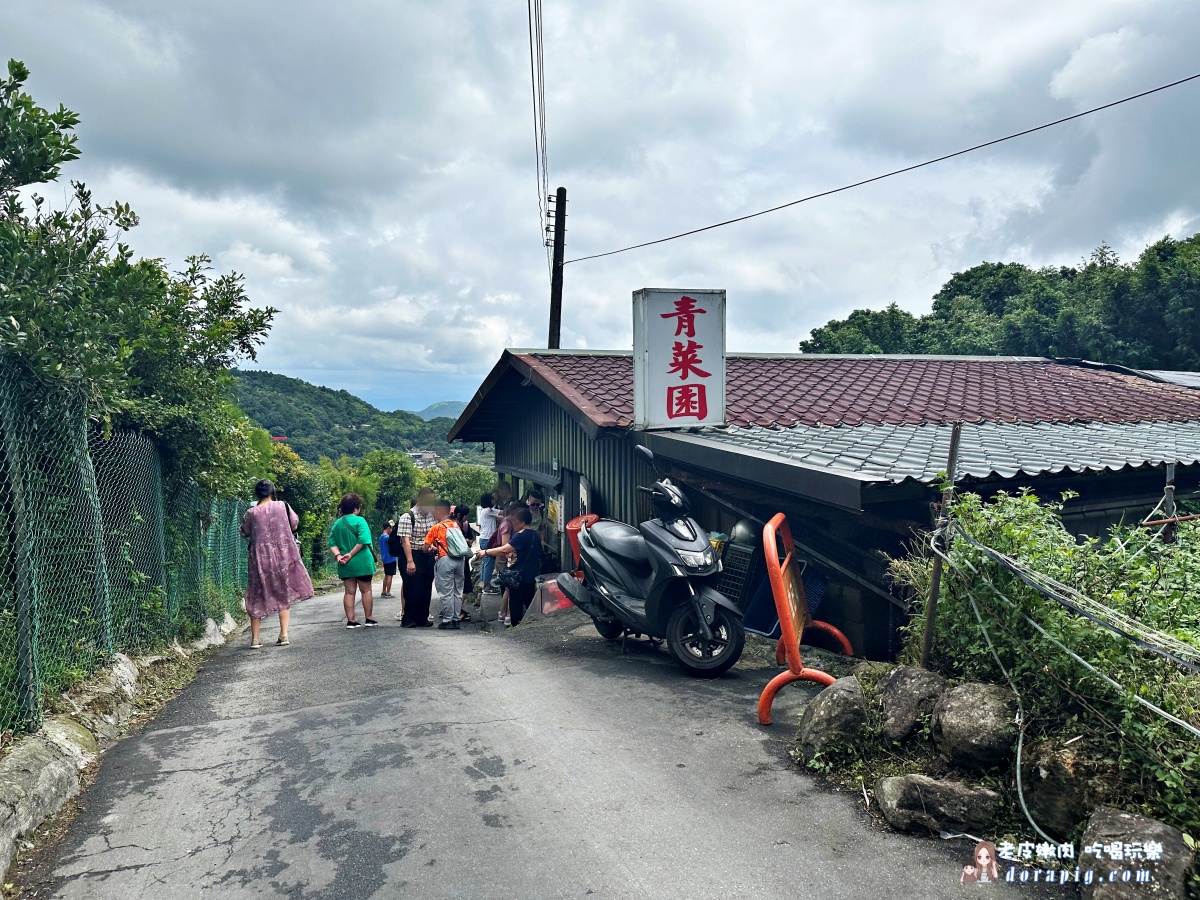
(1143, 315)
(145, 349)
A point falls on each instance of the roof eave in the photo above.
(572, 402)
(842, 489)
(464, 420)
(517, 360)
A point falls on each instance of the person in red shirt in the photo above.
(447, 570)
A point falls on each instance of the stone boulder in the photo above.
(871, 667)
(834, 716)
(212, 637)
(906, 699)
(975, 725)
(1163, 877)
(835, 664)
(921, 803)
(1063, 783)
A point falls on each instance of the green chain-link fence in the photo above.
(97, 553)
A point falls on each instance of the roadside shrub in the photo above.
(1134, 574)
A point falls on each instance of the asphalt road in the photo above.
(417, 763)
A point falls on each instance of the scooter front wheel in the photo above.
(700, 656)
(611, 630)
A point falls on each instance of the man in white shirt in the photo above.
(488, 514)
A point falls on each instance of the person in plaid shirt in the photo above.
(447, 571)
(418, 561)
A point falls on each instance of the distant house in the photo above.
(279, 437)
(850, 447)
(424, 459)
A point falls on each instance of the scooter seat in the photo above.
(620, 540)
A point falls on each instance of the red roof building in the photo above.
(848, 446)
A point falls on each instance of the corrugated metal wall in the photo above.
(540, 431)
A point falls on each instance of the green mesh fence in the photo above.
(97, 554)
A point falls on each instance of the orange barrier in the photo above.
(792, 607)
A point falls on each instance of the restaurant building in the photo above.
(849, 447)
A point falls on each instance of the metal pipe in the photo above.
(935, 578)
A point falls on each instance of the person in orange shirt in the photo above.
(448, 570)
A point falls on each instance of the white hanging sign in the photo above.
(678, 358)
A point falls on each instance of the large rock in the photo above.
(1064, 783)
(906, 699)
(835, 716)
(872, 668)
(36, 780)
(975, 725)
(1163, 877)
(920, 803)
(212, 637)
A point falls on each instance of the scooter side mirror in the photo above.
(646, 454)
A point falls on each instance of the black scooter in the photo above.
(658, 580)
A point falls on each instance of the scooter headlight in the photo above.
(701, 560)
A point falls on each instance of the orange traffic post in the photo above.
(792, 607)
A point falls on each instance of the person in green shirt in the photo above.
(350, 543)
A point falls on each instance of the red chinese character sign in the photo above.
(678, 358)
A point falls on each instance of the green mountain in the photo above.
(319, 421)
(448, 409)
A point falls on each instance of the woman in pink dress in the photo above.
(277, 576)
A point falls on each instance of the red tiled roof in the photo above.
(823, 390)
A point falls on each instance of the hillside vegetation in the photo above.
(448, 409)
(319, 421)
(1143, 314)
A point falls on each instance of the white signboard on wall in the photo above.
(678, 358)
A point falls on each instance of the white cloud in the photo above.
(370, 166)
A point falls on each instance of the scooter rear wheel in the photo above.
(701, 657)
(610, 631)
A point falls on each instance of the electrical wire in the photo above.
(1158, 642)
(537, 81)
(1121, 689)
(1021, 720)
(901, 171)
(541, 67)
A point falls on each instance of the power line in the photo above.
(537, 5)
(911, 168)
(537, 91)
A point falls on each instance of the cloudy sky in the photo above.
(369, 166)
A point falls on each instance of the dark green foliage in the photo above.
(1133, 574)
(1144, 314)
(397, 478)
(147, 350)
(319, 421)
(463, 485)
(34, 142)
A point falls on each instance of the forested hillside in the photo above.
(450, 409)
(1144, 314)
(319, 421)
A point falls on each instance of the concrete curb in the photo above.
(42, 772)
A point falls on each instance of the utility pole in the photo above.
(556, 273)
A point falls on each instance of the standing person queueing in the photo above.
(536, 501)
(499, 539)
(462, 515)
(448, 569)
(277, 577)
(488, 514)
(350, 542)
(389, 560)
(526, 546)
(412, 528)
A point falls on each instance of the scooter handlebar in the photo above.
(642, 489)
